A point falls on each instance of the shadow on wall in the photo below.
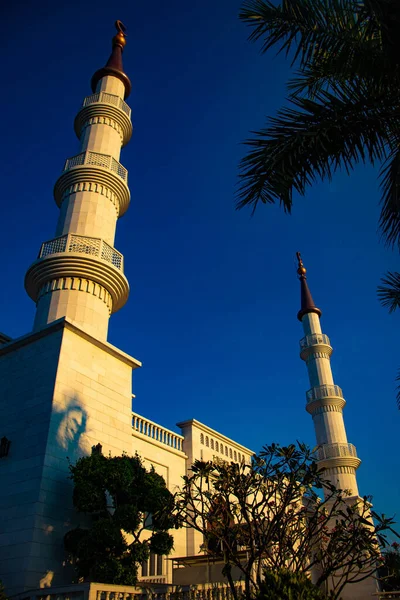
(70, 438)
(73, 435)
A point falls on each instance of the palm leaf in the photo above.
(398, 389)
(312, 140)
(389, 293)
(389, 221)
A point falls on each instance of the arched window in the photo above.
(216, 446)
(230, 453)
(226, 450)
(212, 444)
(207, 441)
(201, 438)
(235, 456)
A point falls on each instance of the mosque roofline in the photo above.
(206, 429)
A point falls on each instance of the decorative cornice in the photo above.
(338, 470)
(95, 175)
(90, 186)
(314, 355)
(78, 284)
(105, 114)
(325, 405)
(63, 265)
(340, 461)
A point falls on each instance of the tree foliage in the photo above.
(389, 572)
(343, 105)
(288, 585)
(270, 515)
(131, 511)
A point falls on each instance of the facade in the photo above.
(65, 389)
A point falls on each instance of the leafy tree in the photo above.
(343, 105)
(389, 572)
(287, 585)
(131, 512)
(270, 515)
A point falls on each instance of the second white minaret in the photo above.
(324, 399)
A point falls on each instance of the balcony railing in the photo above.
(323, 391)
(313, 340)
(99, 160)
(106, 98)
(336, 451)
(156, 432)
(83, 245)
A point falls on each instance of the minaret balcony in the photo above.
(315, 342)
(98, 160)
(94, 169)
(337, 455)
(82, 244)
(105, 106)
(319, 392)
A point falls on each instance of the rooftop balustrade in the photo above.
(337, 450)
(83, 245)
(323, 391)
(106, 98)
(99, 160)
(156, 432)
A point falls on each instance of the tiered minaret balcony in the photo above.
(324, 395)
(83, 245)
(105, 106)
(98, 169)
(331, 456)
(315, 342)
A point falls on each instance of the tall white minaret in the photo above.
(325, 400)
(79, 274)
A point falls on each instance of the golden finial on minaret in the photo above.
(114, 65)
(301, 268)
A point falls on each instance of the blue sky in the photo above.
(214, 294)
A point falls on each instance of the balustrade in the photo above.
(336, 450)
(323, 391)
(156, 432)
(83, 245)
(313, 340)
(99, 160)
(106, 98)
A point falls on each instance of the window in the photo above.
(212, 444)
(152, 564)
(145, 570)
(230, 453)
(159, 564)
(201, 438)
(216, 446)
(235, 456)
(226, 450)
(207, 441)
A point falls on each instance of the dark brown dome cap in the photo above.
(114, 64)
(307, 302)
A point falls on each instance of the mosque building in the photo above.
(65, 388)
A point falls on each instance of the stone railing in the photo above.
(98, 160)
(156, 432)
(313, 340)
(323, 391)
(141, 591)
(106, 98)
(337, 450)
(83, 245)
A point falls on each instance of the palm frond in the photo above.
(389, 221)
(389, 293)
(398, 389)
(311, 28)
(312, 140)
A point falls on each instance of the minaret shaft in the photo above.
(79, 274)
(325, 400)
